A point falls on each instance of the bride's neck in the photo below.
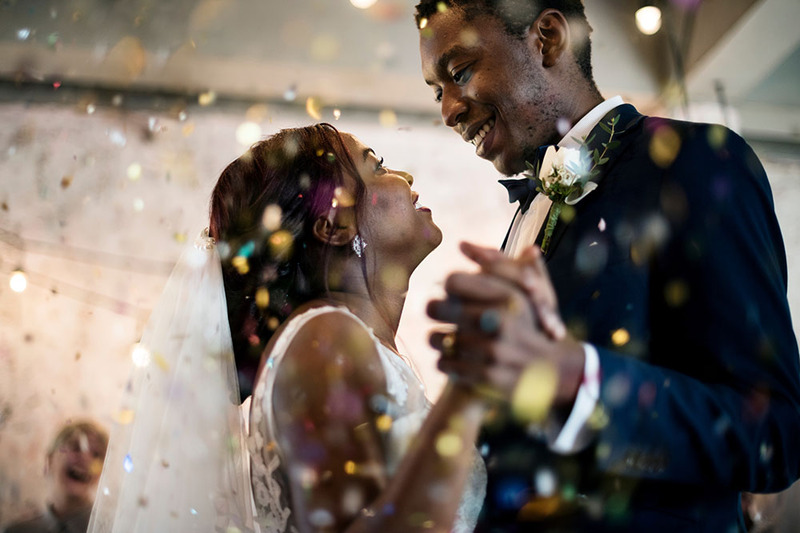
(380, 309)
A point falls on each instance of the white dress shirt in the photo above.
(524, 229)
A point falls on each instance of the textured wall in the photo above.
(96, 207)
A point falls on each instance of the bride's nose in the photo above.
(408, 177)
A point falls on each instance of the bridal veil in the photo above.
(176, 458)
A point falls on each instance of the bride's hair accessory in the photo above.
(358, 245)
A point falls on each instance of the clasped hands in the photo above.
(506, 319)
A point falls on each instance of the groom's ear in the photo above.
(551, 35)
(336, 227)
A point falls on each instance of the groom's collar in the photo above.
(584, 127)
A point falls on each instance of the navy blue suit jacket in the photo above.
(674, 269)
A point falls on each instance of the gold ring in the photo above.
(449, 344)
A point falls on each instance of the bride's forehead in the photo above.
(353, 144)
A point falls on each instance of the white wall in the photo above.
(98, 246)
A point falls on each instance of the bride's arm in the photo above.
(331, 432)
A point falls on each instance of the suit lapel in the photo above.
(628, 119)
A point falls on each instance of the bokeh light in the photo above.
(18, 281)
(648, 19)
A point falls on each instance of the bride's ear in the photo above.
(337, 227)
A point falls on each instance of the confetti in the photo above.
(534, 393)
(248, 133)
(620, 337)
(23, 34)
(664, 146)
(140, 355)
(207, 98)
(387, 118)
(134, 171)
(313, 108)
(127, 464)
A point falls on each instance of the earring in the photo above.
(358, 245)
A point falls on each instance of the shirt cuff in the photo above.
(572, 436)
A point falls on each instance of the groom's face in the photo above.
(492, 87)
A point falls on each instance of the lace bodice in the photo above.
(406, 403)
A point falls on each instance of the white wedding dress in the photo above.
(178, 452)
(406, 404)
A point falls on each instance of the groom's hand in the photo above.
(529, 273)
(500, 330)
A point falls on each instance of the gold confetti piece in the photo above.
(387, 118)
(207, 98)
(664, 146)
(717, 135)
(188, 129)
(128, 55)
(180, 237)
(448, 444)
(441, 7)
(350, 467)
(280, 244)
(256, 113)
(676, 293)
(423, 22)
(241, 265)
(468, 37)
(66, 181)
(620, 337)
(343, 197)
(313, 108)
(384, 423)
(324, 48)
(535, 391)
(394, 276)
(262, 297)
(336, 114)
(160, 361)
(124, 416)
(134, 171)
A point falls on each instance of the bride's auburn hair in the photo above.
(263, 208)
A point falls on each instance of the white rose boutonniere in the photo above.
(564, 175)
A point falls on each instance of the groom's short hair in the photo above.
(518, 15)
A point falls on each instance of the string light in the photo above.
(363, 4)
(648, 19)
(18, 281)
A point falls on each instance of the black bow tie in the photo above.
(523, 190)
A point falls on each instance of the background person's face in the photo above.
(493, 89)
(75, 466)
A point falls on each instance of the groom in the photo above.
(676, 384)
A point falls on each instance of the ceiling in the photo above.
(743, 53)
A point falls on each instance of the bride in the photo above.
(304, 275)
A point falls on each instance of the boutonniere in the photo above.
(564, 174)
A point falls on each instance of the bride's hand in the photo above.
(527, 272)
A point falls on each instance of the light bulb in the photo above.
(648, 19)
(18, 281)
(363, 4)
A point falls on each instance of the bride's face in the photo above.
(392, 221)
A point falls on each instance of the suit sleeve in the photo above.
(719, 403)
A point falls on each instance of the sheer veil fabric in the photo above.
(177, 455)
